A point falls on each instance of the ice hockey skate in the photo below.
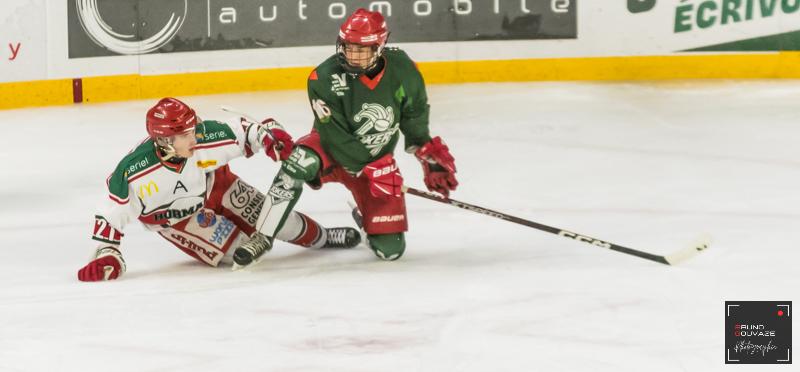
(342, 238)
(251, 251)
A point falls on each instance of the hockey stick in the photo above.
(672, 259)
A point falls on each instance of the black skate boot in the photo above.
(251, 251)
(342, 237)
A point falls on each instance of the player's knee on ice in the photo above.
(303, 164)
(388, 247)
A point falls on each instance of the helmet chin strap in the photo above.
(164, 145)
(376, 67)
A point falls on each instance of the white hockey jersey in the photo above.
(160, 194)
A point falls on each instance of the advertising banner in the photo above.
(130, 27)
(723, 25)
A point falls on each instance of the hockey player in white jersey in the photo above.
(178, 184)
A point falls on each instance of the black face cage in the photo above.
(377, 52)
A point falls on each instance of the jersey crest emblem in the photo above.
(376, 118)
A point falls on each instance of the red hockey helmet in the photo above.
(169, 117)
(363, 28)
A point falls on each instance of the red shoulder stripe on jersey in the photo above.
(217, 144)
(313, 75)
(118, 200)
(140, 175)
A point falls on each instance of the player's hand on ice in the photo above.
(108, 265)
(282, 145)
(439, 166)
(384, 177)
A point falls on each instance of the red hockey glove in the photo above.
(439, 166)
(108, 265)
(283, 141)
(384, 177)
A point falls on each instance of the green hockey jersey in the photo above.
(359, 118)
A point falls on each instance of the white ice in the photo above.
(645, 165)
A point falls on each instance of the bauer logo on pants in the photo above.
(393, 218)
(758, 332)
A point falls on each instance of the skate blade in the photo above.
(237, 267)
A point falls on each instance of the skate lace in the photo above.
(337, 237)
(256, 246)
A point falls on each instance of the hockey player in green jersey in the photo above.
(362, 97)
(177, 183)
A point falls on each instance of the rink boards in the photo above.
(65, 52)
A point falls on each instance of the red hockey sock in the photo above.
(312, 235)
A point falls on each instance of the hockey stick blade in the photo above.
(231, 110)
(247, 117)
(701, 244)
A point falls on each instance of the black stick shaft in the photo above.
(536, 225)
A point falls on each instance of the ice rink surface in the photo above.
(646, 165)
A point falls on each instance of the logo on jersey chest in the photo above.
(152, 188)
(149, 189)
(173, 212)
(177, 214)
(339, 84)
(377, 118)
